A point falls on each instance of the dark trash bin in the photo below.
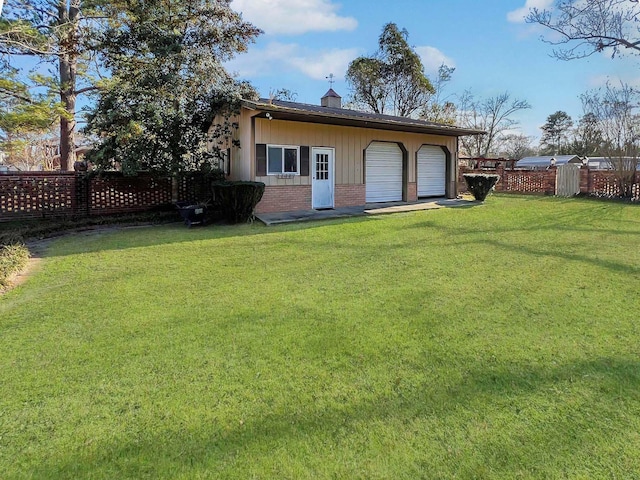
(192, 214)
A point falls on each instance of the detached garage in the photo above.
(325, 156)
(383, 171)
(432, 172)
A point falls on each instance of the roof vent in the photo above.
(331, 99)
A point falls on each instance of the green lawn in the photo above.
(500, 341)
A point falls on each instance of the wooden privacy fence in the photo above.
(54, 194)
(556, 181)
(568, 180)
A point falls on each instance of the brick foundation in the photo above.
(292, 198)
(350, 195)
(285, 199)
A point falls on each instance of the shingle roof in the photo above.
(331, 93)
(304, 112)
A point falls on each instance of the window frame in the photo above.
(283, 148)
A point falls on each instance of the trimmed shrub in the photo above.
(480, 184)
(237, 200)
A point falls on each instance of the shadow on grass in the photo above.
(92, 240)
(559, 421)
(575, 257)
(563, 223)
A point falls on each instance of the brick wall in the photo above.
(412, 192)
(37, 194)
(350, 195)
(53, 194)
(285, 199)
(523, 181)
(117, 194)
(291, 198)
(516, 181)
(600, 183)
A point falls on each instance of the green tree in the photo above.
(582, 28)
(167, 84)
(57, 34)
(23, 116)
(587, 138)
(391, 81)
(555, 134)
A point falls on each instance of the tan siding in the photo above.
(349, 144)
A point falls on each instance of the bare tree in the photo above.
(614, 109)
(493, 115)
(440, 108)
(283, 94)
(516, 146)
(581, 28)
(32, 151)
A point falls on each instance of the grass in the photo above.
(492, 342)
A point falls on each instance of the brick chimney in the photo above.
(331, 99)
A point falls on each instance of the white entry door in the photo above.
(322, 185)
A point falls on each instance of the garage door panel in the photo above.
(383, 173)
(432, 172)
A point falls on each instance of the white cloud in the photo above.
(258, 62)
(432, 58)
(318, 66)
(294, 17)
(279, 57)
(518, 16)
(597, 81)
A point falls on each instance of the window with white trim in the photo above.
(283, 159)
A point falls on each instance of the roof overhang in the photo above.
(352, 118)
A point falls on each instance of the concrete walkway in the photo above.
(369, 209)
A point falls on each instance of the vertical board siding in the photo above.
(349, 144)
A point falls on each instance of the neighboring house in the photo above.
(324, 156)
(544, 162)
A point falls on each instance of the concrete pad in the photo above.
(369, 209)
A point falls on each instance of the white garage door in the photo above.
(383, 172)
(432, 172)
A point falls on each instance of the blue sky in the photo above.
(487, 42)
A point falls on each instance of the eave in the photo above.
(296, 112)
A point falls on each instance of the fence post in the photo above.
(82, 193)
(500, 171)
(551, 180)
(584, 179)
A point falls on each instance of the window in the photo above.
(282, 159)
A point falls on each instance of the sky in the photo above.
(491, 47)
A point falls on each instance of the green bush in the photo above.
(237, 200)
(13, 258)
(480, 184)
